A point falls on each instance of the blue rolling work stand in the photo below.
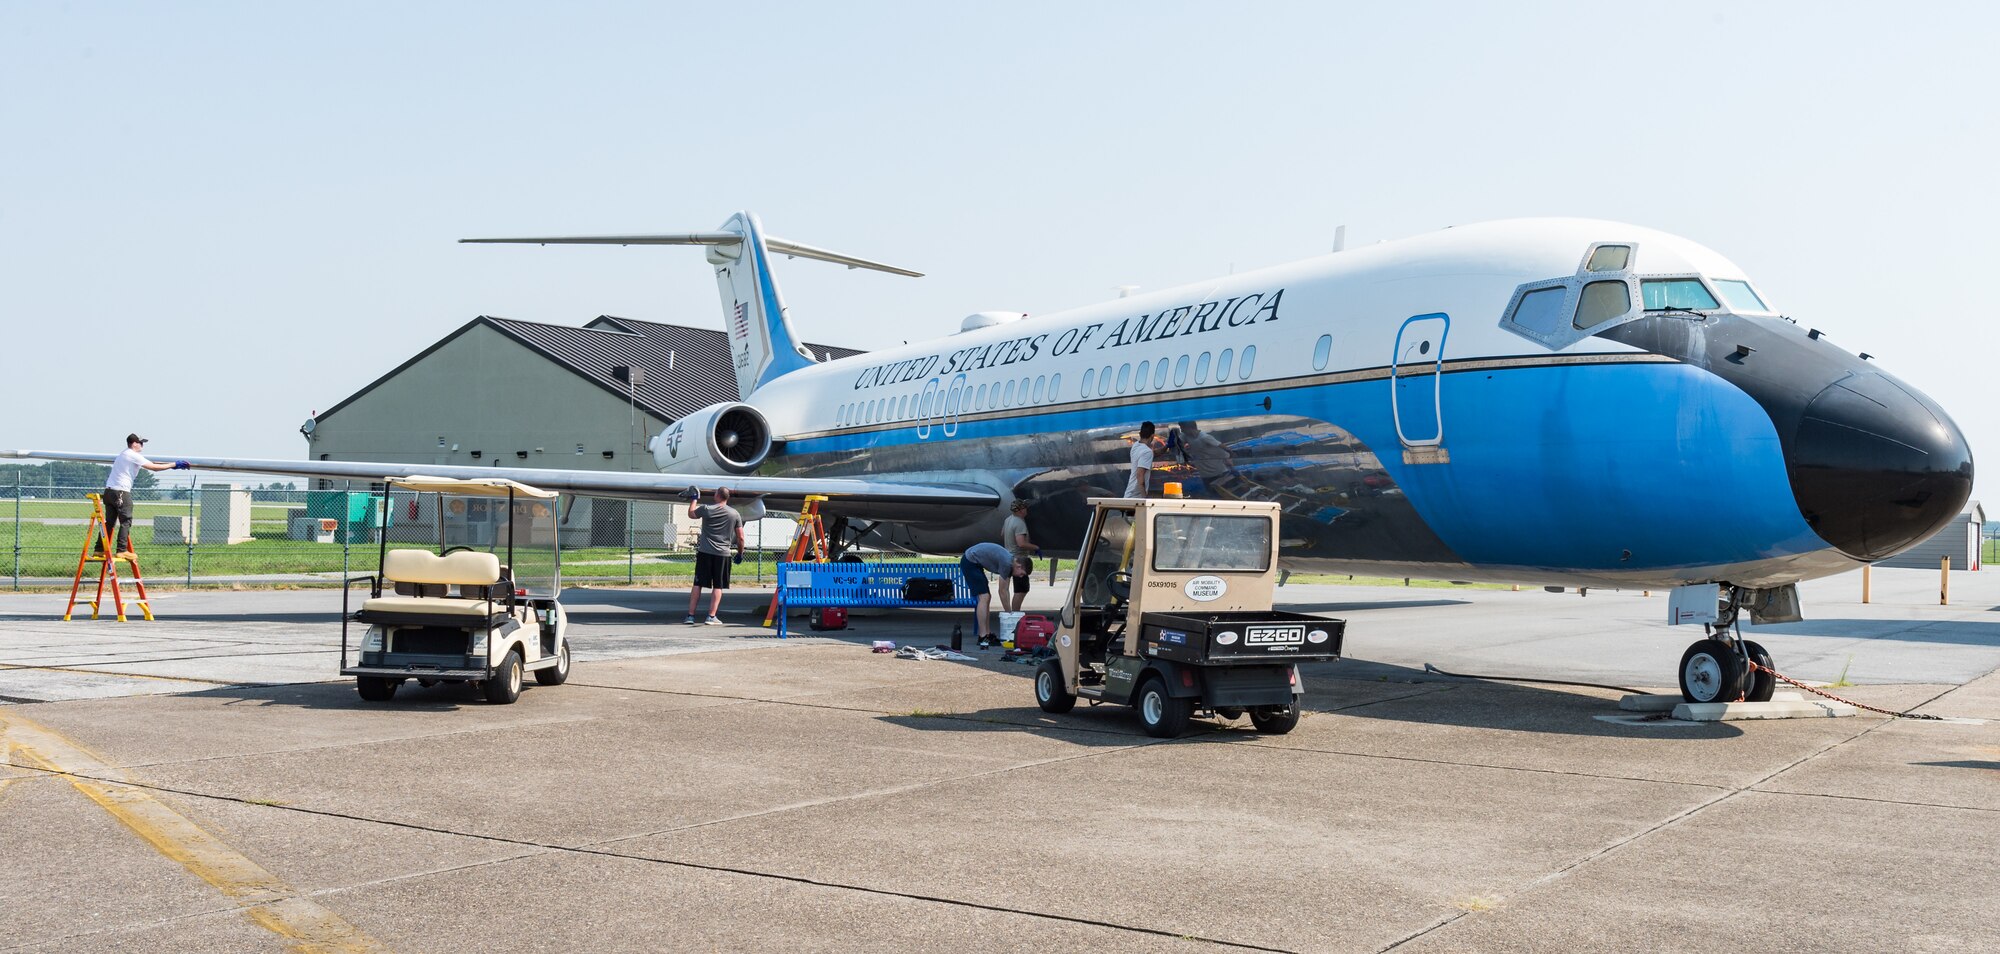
(821, 585)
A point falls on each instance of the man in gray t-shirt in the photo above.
(715, 551)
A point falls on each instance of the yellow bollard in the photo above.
(1944, 581)
(1865, 567)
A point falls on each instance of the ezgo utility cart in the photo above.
(1170, 613)
(458, 612)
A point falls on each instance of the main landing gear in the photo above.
(1718, 668)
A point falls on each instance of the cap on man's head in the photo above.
(134, 439)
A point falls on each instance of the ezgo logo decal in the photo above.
(1202, 589)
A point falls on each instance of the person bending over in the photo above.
(993, 558)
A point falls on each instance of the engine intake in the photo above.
(731, 438)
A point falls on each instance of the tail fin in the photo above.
(761, 342)
(762, 345)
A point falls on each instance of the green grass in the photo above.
(1989, 551)
(50, 550)
(141, 510)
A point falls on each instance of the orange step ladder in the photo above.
(107, 568)
(808, 546)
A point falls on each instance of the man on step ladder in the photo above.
(118, 490)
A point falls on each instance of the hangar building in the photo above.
(460, 401)
(1960, 540)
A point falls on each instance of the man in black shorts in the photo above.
(981, 559)
(718, 548)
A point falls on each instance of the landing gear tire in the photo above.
(1164, 716)
(1711, 671)
(1229, 713)
(1275, 720)
(376, 688)
(1050, 690)
(1758, 684)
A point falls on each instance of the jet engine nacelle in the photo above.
(720, 439)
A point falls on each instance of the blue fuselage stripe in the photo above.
(1597, 467)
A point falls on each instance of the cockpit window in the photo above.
(1602, 301)
(1667, 293)
(1609, 258)
(1541, 311)
(1740, 296)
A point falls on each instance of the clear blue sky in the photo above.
(252, 207)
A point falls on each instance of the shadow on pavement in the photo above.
(1957, 632)
(442, 697)
(1427, 699)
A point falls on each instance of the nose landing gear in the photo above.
(1725, 667)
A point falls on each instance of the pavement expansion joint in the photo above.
(543, 848)
(1873, 799)
(1257, 743)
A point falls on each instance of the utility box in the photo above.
(358, 515)
(224, 516)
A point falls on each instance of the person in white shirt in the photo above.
(118, 491)
(1141, 481)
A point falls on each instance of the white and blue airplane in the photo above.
(1563, 402)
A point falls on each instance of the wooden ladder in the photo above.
(808, 546)
(107, 568)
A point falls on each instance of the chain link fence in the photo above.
(230, 536)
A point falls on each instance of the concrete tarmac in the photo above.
(205, 782)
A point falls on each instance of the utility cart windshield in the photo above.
(514, 522)
(1110, 552)
(1212, 542)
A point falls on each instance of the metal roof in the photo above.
(682, 369)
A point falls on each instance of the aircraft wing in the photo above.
(864, 499)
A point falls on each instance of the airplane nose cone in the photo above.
(1877, 467)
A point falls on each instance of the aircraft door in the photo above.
(954, 404)
(927, 406)
(1416, 379)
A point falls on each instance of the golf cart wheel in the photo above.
(1050, 688)
(1711, 672)
(1757, 683)
(1275, 720)
(504, 686)
(1163, 715)
(557, 674)
(376, 688)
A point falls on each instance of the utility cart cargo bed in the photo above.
(1242, 637)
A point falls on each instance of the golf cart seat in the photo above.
(431, 575)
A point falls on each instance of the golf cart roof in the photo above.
(483, 487)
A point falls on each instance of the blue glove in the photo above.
(739, 559)
(183, 465)
(691, 494)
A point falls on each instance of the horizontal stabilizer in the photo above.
(778, 245)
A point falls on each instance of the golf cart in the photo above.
(479, 607)
(1170, 613)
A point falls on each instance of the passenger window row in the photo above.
(932, 402)
(1152, 374)
(1149, 375)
